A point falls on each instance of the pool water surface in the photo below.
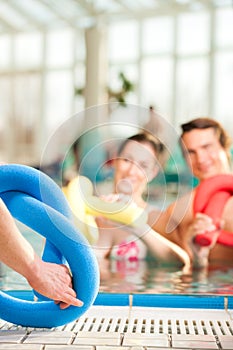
(139, 276)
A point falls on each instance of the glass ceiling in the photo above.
(26, 15)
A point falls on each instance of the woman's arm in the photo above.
(161, 247)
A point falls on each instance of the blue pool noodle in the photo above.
(35, 200)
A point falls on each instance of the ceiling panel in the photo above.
(23, 15)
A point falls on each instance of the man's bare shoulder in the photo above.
(183, 201)
(180, 211)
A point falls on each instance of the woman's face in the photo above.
(134, 168)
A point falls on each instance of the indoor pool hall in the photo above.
(116, 182)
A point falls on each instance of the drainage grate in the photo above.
(148, 321)
(155, 326)
(124, 327)
(153, 321)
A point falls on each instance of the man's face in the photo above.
(204, 154)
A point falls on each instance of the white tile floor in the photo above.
(125, 328)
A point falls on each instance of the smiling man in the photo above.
(206, 149)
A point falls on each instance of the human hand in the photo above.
(122, 210)
(201, 225)
(116, 197)
(102, 221)
(110, 198)
(53, 281)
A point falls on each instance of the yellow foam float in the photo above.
(86, 206)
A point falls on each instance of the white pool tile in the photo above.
(69, 347)
(194, 344)
(146, 340)
(9, 336)
(53, 337)
(21, 347)
(97, 341)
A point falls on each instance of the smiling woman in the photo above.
(136, 164)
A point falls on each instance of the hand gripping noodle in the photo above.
(35, 200)
(85, 206)
(210, 198)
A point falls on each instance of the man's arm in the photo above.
(51, 280)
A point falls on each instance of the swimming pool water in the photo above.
(139, 276)
(150, 277)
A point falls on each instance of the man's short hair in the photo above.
(205, 123)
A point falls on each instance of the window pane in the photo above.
(27, 109)
(223, 101)
(156, 83)
(80, 45)
(224, 28)
(123, 41)
(157, 35)
(5, 114)
(192, 88)
(59, 48)
(28, 50)
(59, 94)
(5, 49)
(20, 100)
(80, 75)
(193, 33)
(26, 116)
